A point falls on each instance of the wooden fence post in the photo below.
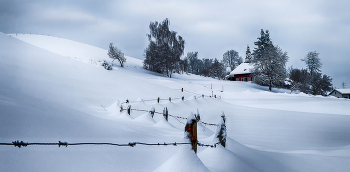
(198, 117)
(165, 113)
(121, 108)
(183, 98)
(151, 111)
(158, 99)
(202, 95)
(182, 89)
(191, 131)
(129, 109)
(169, 99)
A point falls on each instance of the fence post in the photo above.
(165, 113)
(202, 95)
(191, 131)
(183, 98)
(198, 117)
(121, 108)
(158, 99)
(182, 89)
(129, 109)
(220, 135)
(127, 101)
(215, 96)
(169, 99)
(151, 111)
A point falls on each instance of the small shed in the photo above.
(242, 73)
(341, 93)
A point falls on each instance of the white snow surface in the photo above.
(52, 89)
(344, 91)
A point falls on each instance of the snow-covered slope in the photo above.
(47, 97)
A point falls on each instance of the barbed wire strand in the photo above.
(20, 144)
(176, 117)
(200, 95)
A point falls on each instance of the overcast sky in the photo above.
(209, 27)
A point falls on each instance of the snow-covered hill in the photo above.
(52, 89)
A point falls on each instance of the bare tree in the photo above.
(313, 62)
(114, 54)
(231, 59)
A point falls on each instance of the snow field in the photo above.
(47, 97)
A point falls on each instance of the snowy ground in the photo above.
(53, 89)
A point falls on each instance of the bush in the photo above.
(107, 65)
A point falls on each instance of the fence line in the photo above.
(183, 98)
(176, 117)
(20, 144)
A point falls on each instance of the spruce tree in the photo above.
(248, 55)
(269, 62)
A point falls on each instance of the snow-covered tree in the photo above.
(193, 62)
(164, 50)
(248, 55)
(269, 62)
(231, 59)
(313, 62)
(114, 53)
(217, 70)
(300, 79)
(320, 85)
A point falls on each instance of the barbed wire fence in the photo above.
(196, 96)
(190, 133)
(20, 144)
(165, 112)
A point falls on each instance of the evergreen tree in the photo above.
(248, 55)
(320, 85)
(269, 62)
(114, 53)
(300, 80)
(194, 62)
(218, 69)
(164, 50)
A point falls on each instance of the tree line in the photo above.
(165, 48)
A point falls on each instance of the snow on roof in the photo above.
(344, 91)
(243, 68)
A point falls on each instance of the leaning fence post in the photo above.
(151, 111)
(165, 113)
(169, 99)
(129, 109)
(191, 131)
(220, 135)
